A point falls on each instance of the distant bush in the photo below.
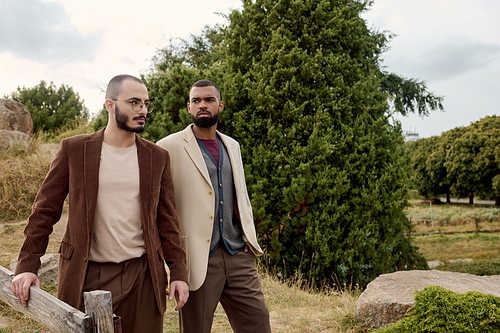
(439, 310)
(476, 267)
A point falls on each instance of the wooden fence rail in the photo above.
(58, 316)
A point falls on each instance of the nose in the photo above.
(144, 110)
(203, 104)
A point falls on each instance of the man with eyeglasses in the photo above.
(122, 224)
(216, 220)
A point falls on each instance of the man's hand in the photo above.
(21, 284)
(182, 295)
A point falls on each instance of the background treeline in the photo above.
(52, 109)
(307, 98)
(462, 162)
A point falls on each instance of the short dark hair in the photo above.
(115, 85)
(207, 83)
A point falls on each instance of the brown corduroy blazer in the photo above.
(75, 170)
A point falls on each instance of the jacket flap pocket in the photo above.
(66, 250)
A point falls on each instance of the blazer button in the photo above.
(211, 217)
(208, 240)
(210, 193)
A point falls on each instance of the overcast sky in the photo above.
(453, 45)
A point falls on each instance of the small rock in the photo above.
(48, 270)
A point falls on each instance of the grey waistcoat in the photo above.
(225, 221)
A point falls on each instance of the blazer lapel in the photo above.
(91, 163)
(194, 152)
(144, 156)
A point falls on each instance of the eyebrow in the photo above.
(138, 99)
(208, 97)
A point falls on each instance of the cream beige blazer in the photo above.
(195, 199)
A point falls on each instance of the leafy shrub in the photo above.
(439, 310)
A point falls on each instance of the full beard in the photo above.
(205, 122)
(122, 120)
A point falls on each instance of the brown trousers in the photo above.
(131, 291)
(233, 280)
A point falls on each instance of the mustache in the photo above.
(204, 111)
(139, 117)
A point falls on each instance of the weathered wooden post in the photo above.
(99, 307)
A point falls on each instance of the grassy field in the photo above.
(456, 217)
(292, 307)
(453, 217)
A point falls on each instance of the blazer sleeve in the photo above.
(169, 228)
(46, 211)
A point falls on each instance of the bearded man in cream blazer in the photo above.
(216, 220)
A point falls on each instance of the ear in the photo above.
(188, 105)
(221, 106)
(109, 106)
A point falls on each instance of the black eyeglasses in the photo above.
(137, 105)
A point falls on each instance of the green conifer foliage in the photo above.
(169, 90)
(327, 173)
(175, 68)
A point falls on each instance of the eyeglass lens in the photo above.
(138, 106)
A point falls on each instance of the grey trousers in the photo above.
(233, 280)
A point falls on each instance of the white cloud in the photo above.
(445, 58)
(454, 46)
(42, 31)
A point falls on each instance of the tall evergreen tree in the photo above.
(175, 68)
(327, 172)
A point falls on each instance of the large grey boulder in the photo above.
(48, 270)
(15, 117)
(387, 298)
(16, 125)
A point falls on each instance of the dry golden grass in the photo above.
(22, 171)
(294, 309)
